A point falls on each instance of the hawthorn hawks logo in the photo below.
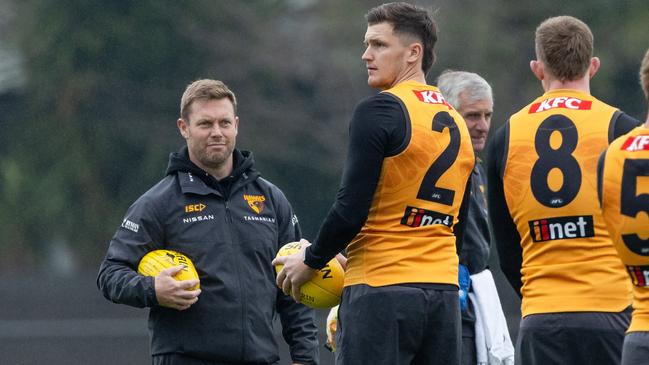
(256, 202)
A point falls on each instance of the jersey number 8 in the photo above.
(560, 158)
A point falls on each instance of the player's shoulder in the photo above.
(636, 139)
(524, 111)
(379, 101)
(378, 112)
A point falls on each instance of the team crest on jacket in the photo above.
(256, 202)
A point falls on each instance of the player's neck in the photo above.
(582, 84)
(646, 122)
(413, 73)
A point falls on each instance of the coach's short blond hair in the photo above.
(644, 75)
(204, 89)
(565, 46)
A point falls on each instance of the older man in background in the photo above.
(472, 97)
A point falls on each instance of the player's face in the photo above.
(211, 133)
(477, 115)
(385, 56)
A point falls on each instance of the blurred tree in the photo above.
(93, 125)
(102, 76)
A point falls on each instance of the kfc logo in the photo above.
(431, 97)
(560, 102)
(636, 143)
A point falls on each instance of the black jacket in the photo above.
(477, 237)
(231, 229)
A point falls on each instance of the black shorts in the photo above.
(636, 348)
(398, 324)
(572, 338)
(468, 356)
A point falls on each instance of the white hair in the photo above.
(453, 83)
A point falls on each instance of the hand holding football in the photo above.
(325, 288)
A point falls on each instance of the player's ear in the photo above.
(182, 127)
(537, 69)
(593, 67)
(415, 51)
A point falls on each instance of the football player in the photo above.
(623, 181)
(553, 244)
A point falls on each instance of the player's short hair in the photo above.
(565, 46)
(453, 83)
(644, 75)
(410, 20)
(204, 89)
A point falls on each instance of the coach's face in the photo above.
(211, 135)
(386, 56)
(477, 115)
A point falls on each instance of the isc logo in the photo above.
(560, 228)
(560, 102)
(194, 208)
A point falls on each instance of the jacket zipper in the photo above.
(244, 305)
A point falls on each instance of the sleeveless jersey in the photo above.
(550, 185)
(625, 205)
(408, 236)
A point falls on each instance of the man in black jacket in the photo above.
(216, 209)
(472, 97)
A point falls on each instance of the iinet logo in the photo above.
(561, 228)
(636, 143)
(431, 97)
(639, 275)
(418, 217)
(560, 102)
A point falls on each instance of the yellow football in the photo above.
(325, 288)
(155, 261)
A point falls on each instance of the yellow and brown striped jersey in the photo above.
(623, 177)
(408, 235)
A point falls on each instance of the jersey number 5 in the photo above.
(632, 203)
(428, 190)
(560, 158)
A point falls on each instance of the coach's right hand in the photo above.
(172, 293)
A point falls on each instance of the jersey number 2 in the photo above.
(428, 190)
